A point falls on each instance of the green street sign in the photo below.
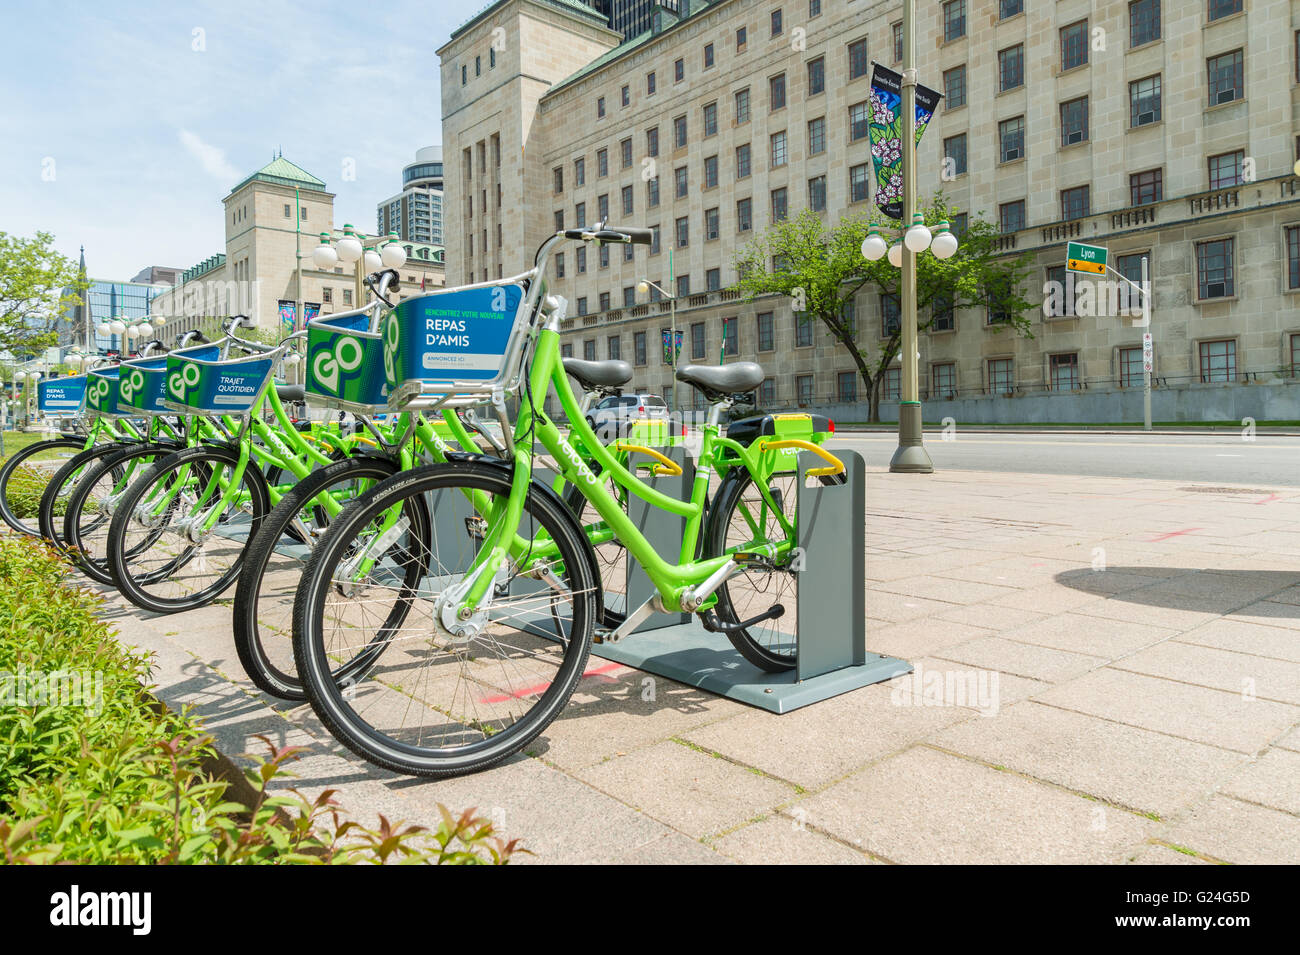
(1085, 258)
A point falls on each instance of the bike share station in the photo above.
(827, 629)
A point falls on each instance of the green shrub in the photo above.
(26, 485)
(97, 771)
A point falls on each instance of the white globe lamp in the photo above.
(918, 236)
(896, 255)
(349, 247)
(324, 256)
(874, 248)
(944, 243)
(373, 261)
(393, 255)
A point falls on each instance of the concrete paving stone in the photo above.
(1137, 768)
(1235, 831)
(899, 607)
(927, 807)
(1228, 633)
(671, 848)
(1236, 588)
(1022, 659)
(1107, 580)
(822, 742)
(1270, 613)
(557, 817)
(612, 715)
(902, 569)
(948, 589)
(1272, 780)
(1289, 596)
(1291, 741)
(689, 790)
(1018, 572)
(990, 616)
(1094, 636)
(784, 840)
(1153, 854)
(1265, 677)
(927, 635)
(1050, 598)
(1131, 608)
(1178, 709)
(935, 681)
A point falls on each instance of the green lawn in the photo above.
(15, 441)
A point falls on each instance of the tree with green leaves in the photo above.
(820, 269)
(38, 286)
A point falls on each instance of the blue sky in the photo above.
(117, 133)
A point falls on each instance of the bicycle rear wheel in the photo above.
(178, 535)
(273, 568)
(439, 704)
(23, 477)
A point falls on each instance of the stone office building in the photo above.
(1165, 130)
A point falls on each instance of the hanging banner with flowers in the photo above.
(671, 354)
(886, 131)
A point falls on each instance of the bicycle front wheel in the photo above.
(23, 478)
(178, 534)
(440, 703)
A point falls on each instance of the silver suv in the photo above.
(612, 417)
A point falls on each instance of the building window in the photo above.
(566, 350)
(679, 70)
(859, 121)
(941, 312)
(589, 344)
(943, 381)
(603, 259)
(652, 141)
(710, 172)
(602, 163)
(1218, 361)
(625, 95)
(858, 183)
(742, 106)
(858, 59)
(816, 76)
(679, 132)
(954, 20)
(1011, 67)
(742, 36)
(710, 224)
(767, 392)
(654, 246)
(954, 87)
(898, 41)
(679, 182)
(1064, 371)
(1225, 78)
(954, 152)
(776, 22)
(817, 194)
(1144, 101)
(1058, 276)
(683, 285)
(730, 336)
(697, 341)
(1011, 139)
(780, 204)
(890, 315)
(1225, 169)
(683, 232)
(1131, 373)
(708, 55)
(1223, 8)
(1011, 215)
(891, 383)
(638, 344)
(347, 296)
(1295, 356)
(744, 215)
(817, 136)
(803, 331)
(559, 265)
(710, 119)
(776, 92)
(1000, 380)
(288, 211)
(766, 332)
(625, 149)
(1143, 22)
(652, 192)
(1074, 202)
(1292, 235)
(600, 107)
(615, 344)
(580, 258)
(558, 178)
(627, 200)
(579, 172)
(580, 215)
(1214, 277)
(650, 83)
(779, 153)
(1074, 45)
(846, 387)
(327, 296)
(1130, 266)
(1145, 187)
(742, 161)
(1074, 121)
(803, 390)
(712, 280)
(1009, 8)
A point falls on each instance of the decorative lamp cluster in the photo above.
(123, 326)
(918, 237)
(349, 249)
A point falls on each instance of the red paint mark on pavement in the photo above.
(1165, 537)
(542, 687)
(1271, 497)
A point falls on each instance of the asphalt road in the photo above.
(1267, 461)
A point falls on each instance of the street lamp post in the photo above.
(644, 286)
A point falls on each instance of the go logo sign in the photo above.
(98, 392)
(391, 334)
(178, 381)
(129, 385)
(345, 357)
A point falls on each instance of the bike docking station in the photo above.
(827, 629)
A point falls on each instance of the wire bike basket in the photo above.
(200, 381)
(455, 346)
(61, 396)
(345, 363)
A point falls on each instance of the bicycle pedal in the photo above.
(751, 559)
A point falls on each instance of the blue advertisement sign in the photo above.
(61, 395)
(228, 387)
(459, 335)
(345, 362)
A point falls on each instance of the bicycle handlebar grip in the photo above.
(635, 236)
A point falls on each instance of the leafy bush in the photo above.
(26, 485)
(100, 772)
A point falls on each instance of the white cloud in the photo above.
(211, 158)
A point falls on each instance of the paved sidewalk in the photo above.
(1108, 671)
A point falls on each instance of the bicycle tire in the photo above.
(29, 523)
(546, 690)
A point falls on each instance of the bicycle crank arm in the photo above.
(712, 623)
